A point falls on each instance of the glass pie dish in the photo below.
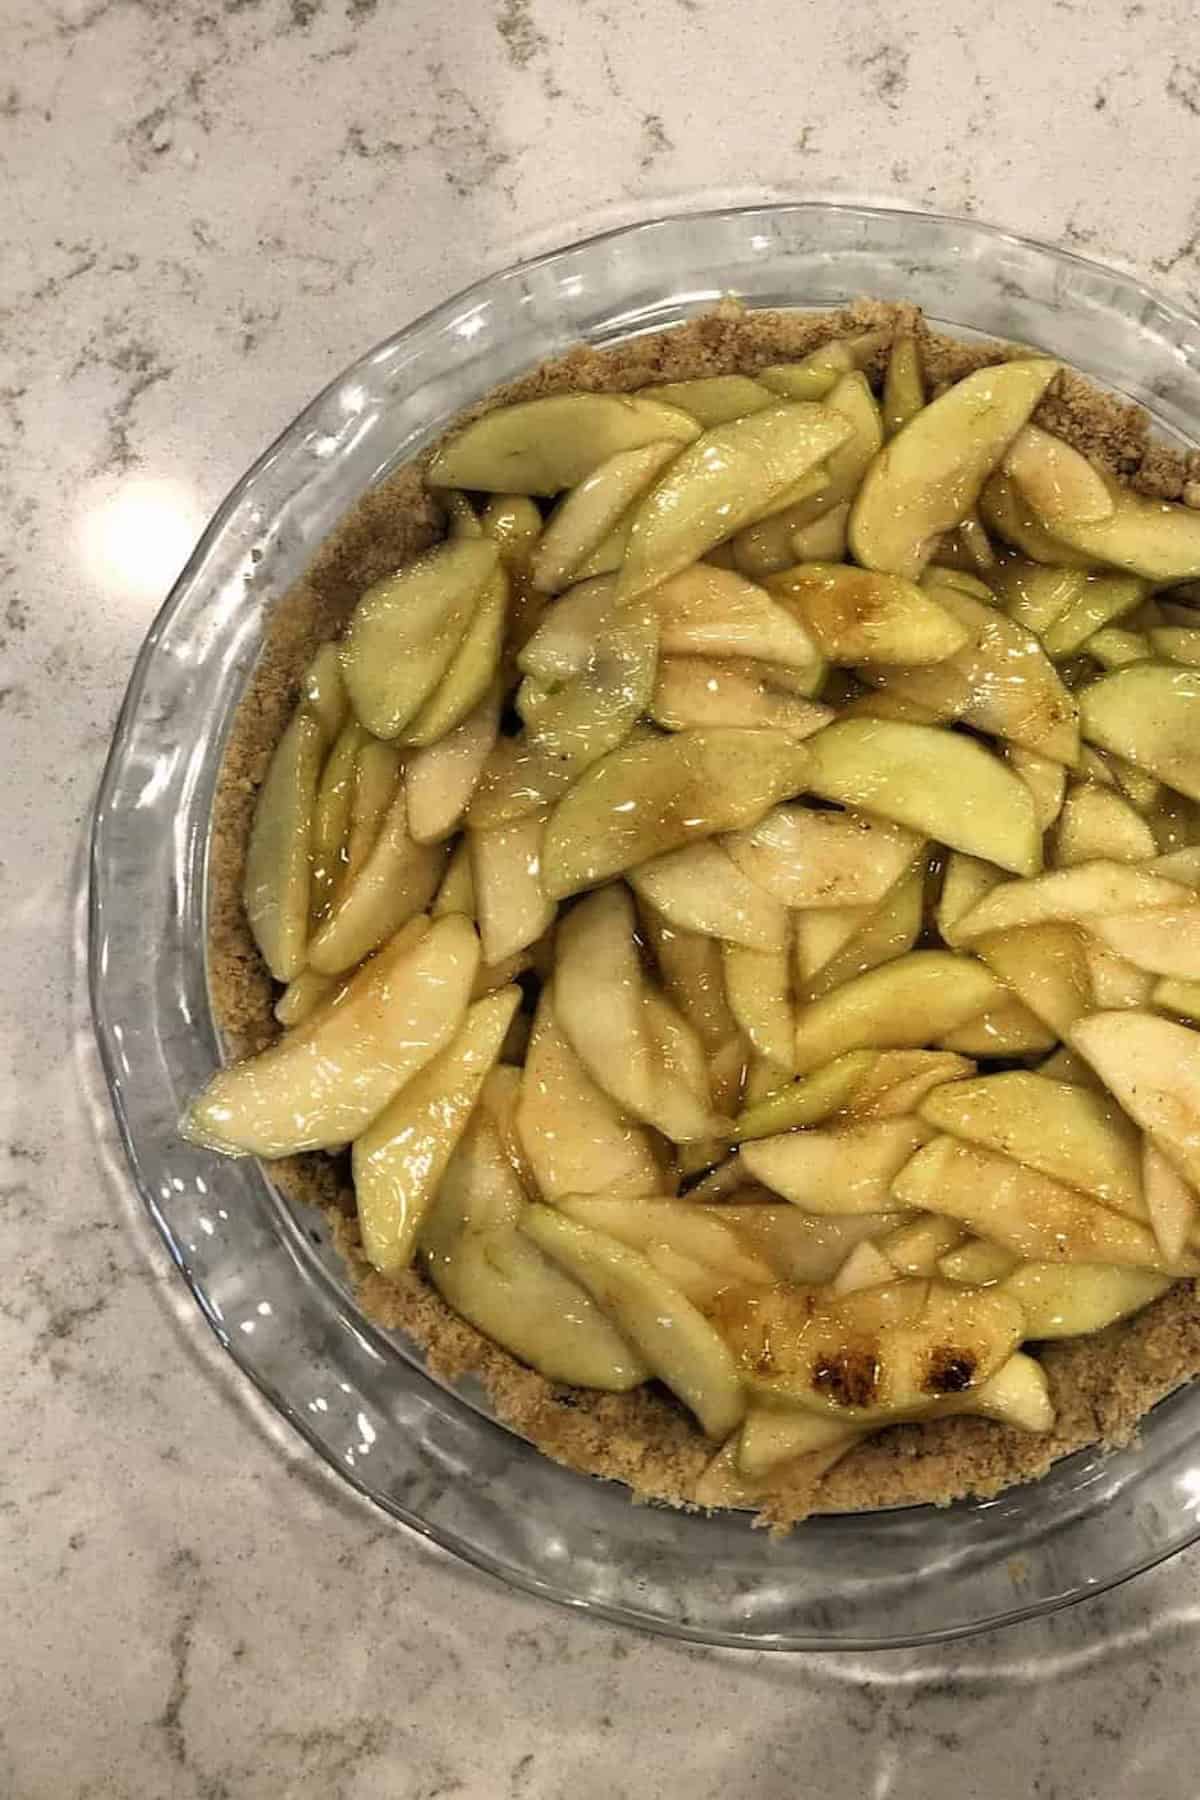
(264, 1272)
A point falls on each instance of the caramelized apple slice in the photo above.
(1046, 967)
(323, 1083)
(676, 1341)
(400, 1159)
(543, 446)
(858, 616)
(275, 887)
(929, 476)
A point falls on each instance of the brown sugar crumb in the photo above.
(1100, 1386)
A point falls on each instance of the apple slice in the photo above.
(903, 384)
(1045, 779)
(712, 612)
(323, 1083)
(699, 691)
(396, 882)
(457, 891)
(1099, 825)
(1046, 967)
(1165, 940)
(563, 641)
(701, 889)
(1156, 539)
(1005, 1030)
(1018, 1394)
(810, 1100)
(576, 1139)
(543, 446)
(732, 474)
(858, 616)
(929, 476)
(400, 1159)
(1071, 1133)
(690, 967)
(1081, 894)
(904, 1005)
(1062, 1300)
(1025, 1211)
(1114, 648)
(798, 1246)
(1035, 595)
(302, 996)
(965, 880)
(499, 1282)
(600, 994)
(713, 399)
(331, 818)
(324, 692)
(1147, 713)
(847, 1171)
(819, 933)
(276, 886)
(936, 782)
(818, 373)
(886, 932)
(1115, 981)
(507, 876)
(865, 1267)
(1102, 599)
(658, 794)
(898, 1080)
(1060, 484)
(807, 857)
(440, 780)
(916, 1248)
(1181, 997)
(1151, 1066)
(675, 1340)
(472, 669)
(404, 632)
(697, 1233)
(1170, 1203)
(759, 986)
(1005, 510)
(869, 1356)
(771, 1437)
(514, 524)
(586, 515)
(1177, 643)
(979, 1263)
(377, 770)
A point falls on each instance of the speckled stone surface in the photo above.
(206, 208)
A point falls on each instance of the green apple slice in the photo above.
(331, 819)
(759, 986)
(903, 1005)
(585, 516)
(276, 886)
(700, 889)
(1005, 510)
(936, 782)
(807, 857)
(397, 881)
(543, 446)
(1089, 891)
(472, 669)
(498, 1281)
(511, 903)
(440, 780)
(1170, 1202)
(660, 793)
(713, 399)
(400, 1159)
(1060, 484)
(1156, 539)
(928, 477)
(732, 474)
(404, 632)
(881, 934)
(323, 1083)
(676, 1341)
(690, 967)
(713, 612)
(325, 692)
(1147, 713)
(858, 616)
(1099, 825)
(903, 384)
(1007, 1029)
(845, 1171)
(816, 375)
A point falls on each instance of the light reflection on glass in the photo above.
(135, 540)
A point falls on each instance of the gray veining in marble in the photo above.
(206, 208)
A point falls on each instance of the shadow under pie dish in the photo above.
(1159, 1367)
(864, 1336)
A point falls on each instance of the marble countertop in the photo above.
(208, 207)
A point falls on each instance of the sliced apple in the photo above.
(1090, 891)
(870, 1356)
(675, 1340)
(759, 986)
(396, 882)
(817, 374)
(658, 794)
(915, 1248)
(276, 884)
(898, 1080)
(713, 399)
(1071, 1133)
(1151, 1066)
(701, 889)
(810, 1100)
(1170, 1203)
(331, 818)
(965, 880)
(1148, 714)
(472, 669)
(1004, 1030)
(1156, 539)
(1097, 824)
(936, 782)
(543, 446)
(978, 1263)
(697, 1233)
(1005, 510)
(729, 476)
(456, 894)
(1062, 1300)
(324, 1083)
(325, 694)
(846, 1171)
(886, 932)
(1115, 981)
(563, 641)
(859, 616)
(771, 1437)
(808, 857)
(440, 780)
(1046, 967)
(377, 772)
(507, 869)
(1045, 779)
(1018, 1394)
(1035, 595)
(576, 1139)
(712, 612)
(822, 541)
(499, 1282)
(514, 524)
(1162, 940)
(903, 384)
(404, 632)
(1102, 599)
(500, 1100)
(1114, 648)
(1181, 997)
(586, 515)
(600, 992)
(820, 933)
(929, 476)
(690, 967)
(1177, 643)
(302, 996)
(798, 1246)
(1060, 484)
(400, 1159)
(1023, 1210)
(905, 1004)
(701, 691)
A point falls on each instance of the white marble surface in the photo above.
(207, 207)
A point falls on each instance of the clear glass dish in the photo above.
(264, 1276)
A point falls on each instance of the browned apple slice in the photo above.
(859, 616)
(1046, 967)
